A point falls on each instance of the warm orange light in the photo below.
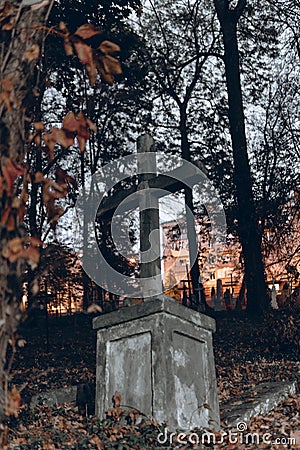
(131, 261)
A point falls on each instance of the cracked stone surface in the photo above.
(258, 400)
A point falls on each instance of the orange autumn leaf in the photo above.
(117, 399)
(95, 440)
(83, 135)
(38, 177)
(32, 53)
(73, 126)
(80, 125)
(206, 406)
(106, 63)
(84, 52)
(91, 125)
(87, 31)
(75, 123)
(68, 47)
(83, 126)
(7, 83)
(51, 192)
(70, 123)
(92, 71)
(67, 43)
(10, 171)
(108, 47)
(13, 402)
(25, 248)
(62, 138)
(109, 65)
(62, 178)
(7, 96)
(109, 68)
(57, 136)
(8, 218)
(6, 16)
(39, 126)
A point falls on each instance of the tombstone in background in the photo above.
(218, 302)
(158, 354)
(274, 303)
(227, 299)
(213, 296)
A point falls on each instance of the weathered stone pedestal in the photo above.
(159, 356)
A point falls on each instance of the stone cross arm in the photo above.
(166, 183)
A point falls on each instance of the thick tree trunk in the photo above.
(248, 230)
(17, 81)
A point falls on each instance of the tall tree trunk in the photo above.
(191, 230)
(85, 277)
(248, 230)
(17, 80)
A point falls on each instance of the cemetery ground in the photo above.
(246, 354)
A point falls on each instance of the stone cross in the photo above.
(157, 354)
(150, 265)
(163, 184)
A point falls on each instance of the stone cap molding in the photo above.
(161, 304)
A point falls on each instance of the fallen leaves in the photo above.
(26, 248)
(96, 441)
(13, 402)
(21, 343)
(94, 309)
(72, 351)
(117, 400)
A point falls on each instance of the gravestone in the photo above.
(218, 303)
(159, 354)
(274, 303)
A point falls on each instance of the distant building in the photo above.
(216, 264)
(224, 262)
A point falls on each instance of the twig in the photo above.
(11, 39)
(44, 38)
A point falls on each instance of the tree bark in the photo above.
(248, 230)
(15, 114)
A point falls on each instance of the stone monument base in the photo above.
(159, 356)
